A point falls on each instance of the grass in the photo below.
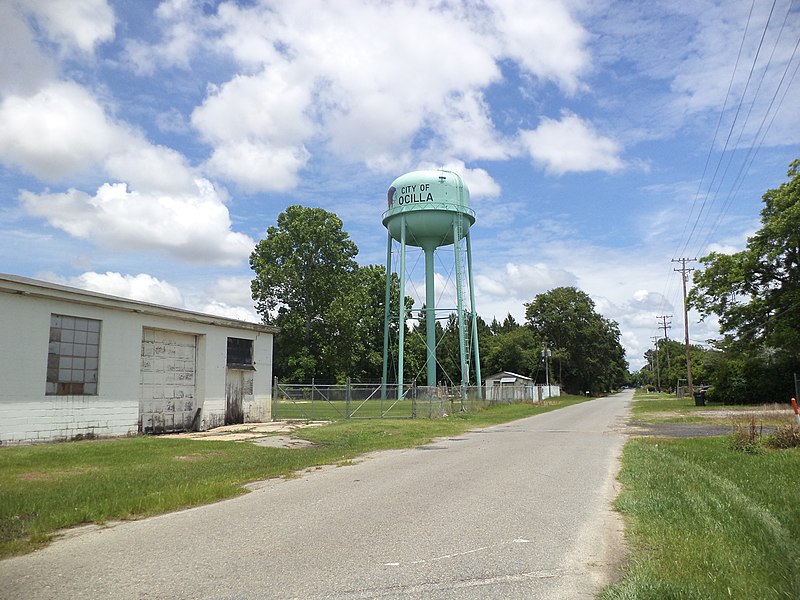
(666, 408)
(45, 488)
(705, 521)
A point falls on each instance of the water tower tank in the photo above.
(428, 201)
(428, 210)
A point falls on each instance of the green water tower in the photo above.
(429, 210)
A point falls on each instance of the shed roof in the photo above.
(15, 284)
(508, 375)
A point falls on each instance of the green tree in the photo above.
(302, 265)
(516, 350)
(355, 320)
(755, 294)
(586, 347)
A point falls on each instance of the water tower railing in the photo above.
(444, 206)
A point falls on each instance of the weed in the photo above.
(747, 438)
(786, 436)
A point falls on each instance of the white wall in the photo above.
(27, 414)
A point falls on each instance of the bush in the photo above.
(786, 436)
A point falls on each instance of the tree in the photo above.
(354, 322)
(756, 292)
(301, 266)
(516, 350)
(585, 345)
(756, 295)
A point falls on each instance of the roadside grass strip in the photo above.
(49, 487)
(707, 522)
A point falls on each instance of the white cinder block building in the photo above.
(75, 363)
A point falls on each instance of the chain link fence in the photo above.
(331, 402)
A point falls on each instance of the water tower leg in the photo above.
(460, 309)
(402, 318)
(386, 315)
(430, 317)
(477, 353)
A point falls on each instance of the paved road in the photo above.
(520, 510)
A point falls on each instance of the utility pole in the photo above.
(658, 366)
(684, 270)
(664, 325)
(546, 353)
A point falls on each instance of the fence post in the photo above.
(275, 399)
(347, 399)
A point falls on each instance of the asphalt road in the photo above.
(520, 510)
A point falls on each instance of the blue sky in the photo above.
(146, 146)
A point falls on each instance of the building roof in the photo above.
(15, 284)
(508, 375)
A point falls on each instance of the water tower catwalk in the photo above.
(429, 210)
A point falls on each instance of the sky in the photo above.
(146, 147)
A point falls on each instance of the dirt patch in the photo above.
(687, 430)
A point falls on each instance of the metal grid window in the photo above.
(73, 356)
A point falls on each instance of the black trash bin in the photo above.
(700, 397)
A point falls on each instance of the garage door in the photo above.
(167, 392)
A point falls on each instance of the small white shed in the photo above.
(76, 363)
(513, 387)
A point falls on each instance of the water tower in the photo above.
(428, 210)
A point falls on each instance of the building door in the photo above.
(167, 399)
(235, 388)
(238, 379)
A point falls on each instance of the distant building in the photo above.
(513, 387)
(77, 364)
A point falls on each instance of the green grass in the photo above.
(44, 488)
(705, 521)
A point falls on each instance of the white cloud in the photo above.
(181, 22)
(520, 282)
(258, 167)
(194, 227)
(23, 66)
(361, 79)
(571, 145)
(155, 200)
(143, 287)
(257, 125)
(465, 129)
(545, 39)
(149, 168)
(59, 131)
(224, 310)
(81, 24)
(479, 182)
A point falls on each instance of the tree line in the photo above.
(330, 311)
